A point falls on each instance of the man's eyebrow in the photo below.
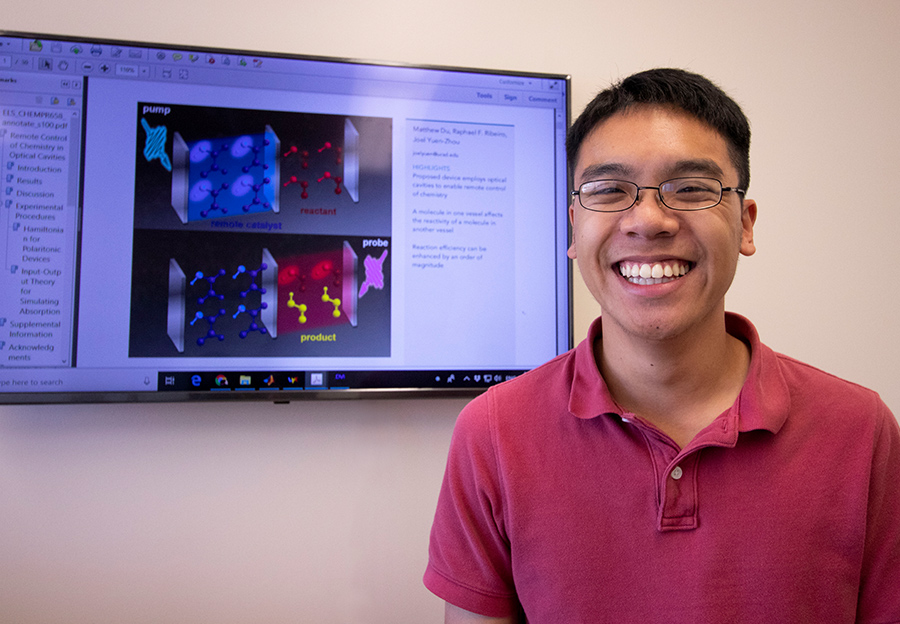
(685, 167)
(594, 172)
(701, 166)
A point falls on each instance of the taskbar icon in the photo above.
(231, 381)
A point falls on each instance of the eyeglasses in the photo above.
(677, 194)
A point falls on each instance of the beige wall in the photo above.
(320, 512)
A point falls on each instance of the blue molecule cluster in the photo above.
(231, 176)
(211, 294)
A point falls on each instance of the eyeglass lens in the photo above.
(678, 194)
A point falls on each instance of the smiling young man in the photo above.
(670, 468)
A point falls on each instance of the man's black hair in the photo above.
(694, 94)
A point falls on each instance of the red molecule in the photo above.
(304, 164)
(322, 269)
(288, 275)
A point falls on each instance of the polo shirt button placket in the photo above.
(678, 509)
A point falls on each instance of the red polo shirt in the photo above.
(786, 508)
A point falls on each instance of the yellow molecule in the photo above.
(335, 302)
(300, 306)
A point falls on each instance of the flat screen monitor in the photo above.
(185, 223)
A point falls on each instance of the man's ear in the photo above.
(571, 252)
(748, 218)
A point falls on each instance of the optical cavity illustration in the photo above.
(246, 298)
(301, 164)
(229, 176)
(318, 290)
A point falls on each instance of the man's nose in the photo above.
(649, 217)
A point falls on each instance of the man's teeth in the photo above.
(655, 273)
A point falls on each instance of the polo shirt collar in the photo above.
(589, 395)
(764, 401)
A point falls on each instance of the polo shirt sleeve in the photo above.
(469, 555)
(879, 597)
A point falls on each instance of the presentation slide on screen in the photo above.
(249, 238)
(216, 225)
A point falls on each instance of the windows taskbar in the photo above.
(238, 381)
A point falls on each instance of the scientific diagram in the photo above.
(260, 233)
(277, 295)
